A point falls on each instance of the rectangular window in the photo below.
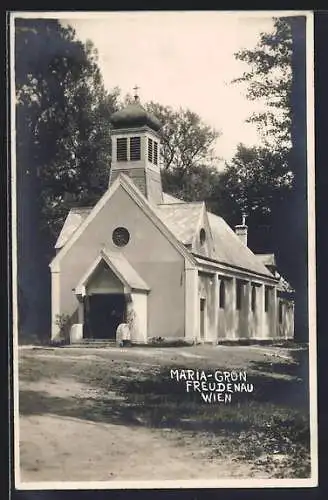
(202, 318)
(135, 149)
(150, 150)
(280, 311)
(222, 295)
(253, 298)
(155, 153)
(239, 293)
(122, 149)
(266, 298)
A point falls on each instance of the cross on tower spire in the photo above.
(136, 94)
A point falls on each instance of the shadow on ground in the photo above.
(271, 419)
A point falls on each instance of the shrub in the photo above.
(64, 322)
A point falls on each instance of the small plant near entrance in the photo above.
(156, 340)
(64, 322)
(131, 318)
(167, 342)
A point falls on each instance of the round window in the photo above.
(121, 236)
(202, 236)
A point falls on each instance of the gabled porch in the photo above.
(110, 292)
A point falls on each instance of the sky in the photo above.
(181, 59)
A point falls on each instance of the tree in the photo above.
(186, 140)
(277, 77)
(187, 153)
(269, 80)
(197, 184)
(63, 116)
(257, 179)
(62, 150)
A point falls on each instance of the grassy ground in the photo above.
(142, 419)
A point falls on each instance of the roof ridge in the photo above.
(181, 203)
(85, 207)
(175, 203)
(216, 215)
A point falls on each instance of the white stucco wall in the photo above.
(148, 251)
(138, 307)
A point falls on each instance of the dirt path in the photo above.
(51, 451)
(78, 422)
(61, 448)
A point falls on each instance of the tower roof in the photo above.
(134, 115)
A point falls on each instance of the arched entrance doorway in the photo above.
(110, 292)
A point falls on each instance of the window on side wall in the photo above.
(280, 311)
(222, 295)
(266, 299)
(239, 293)
(253, 298)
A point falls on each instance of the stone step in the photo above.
(94, 343)
(91, 341)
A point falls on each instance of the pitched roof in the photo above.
(228, 247)
(77, 215)
(120, 267)
(123, 269)
(230, 250)
(131, 189)
(284, 286)
(268, 259)
(168, 198)
(74, 218)
(181, 218)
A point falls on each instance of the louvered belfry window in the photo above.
(122, 149)
(155, 153)
(150, 150)
(135, 148)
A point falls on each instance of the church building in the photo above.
(167, 268)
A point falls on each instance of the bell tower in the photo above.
(136, 149)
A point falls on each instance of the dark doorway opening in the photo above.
(102, 315)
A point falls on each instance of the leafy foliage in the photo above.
(64, 322)
(261, 179)
(257, 179)
(186, 140)
(196, 184)
(63, 115)
(276, 77)
(269, 80)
